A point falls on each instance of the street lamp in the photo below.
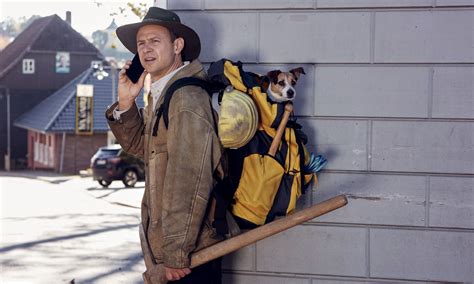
(8, 155)
(100, 74)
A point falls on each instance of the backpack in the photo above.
(258, 187)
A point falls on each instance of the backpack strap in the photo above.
(163, 110)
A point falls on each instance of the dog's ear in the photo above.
(273, 76)
(297, 72)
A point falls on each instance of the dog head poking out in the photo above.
(282, 84)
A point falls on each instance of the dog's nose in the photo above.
(290, 93)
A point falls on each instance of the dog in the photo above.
(281, 85)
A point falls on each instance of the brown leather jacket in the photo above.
(180, 162)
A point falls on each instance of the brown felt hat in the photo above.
(127, 34)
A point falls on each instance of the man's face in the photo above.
(156, 50)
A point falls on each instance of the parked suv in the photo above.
(112, 163)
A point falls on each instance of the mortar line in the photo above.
(315, 4)
(255, 257)
(369, 144)
(367, 253)
(428, 202)
(258, 37)
(372, 37)
(430, 92)
(313, 86)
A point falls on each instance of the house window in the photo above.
(28, 66)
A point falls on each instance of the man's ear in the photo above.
(297, 72)
(178, 45)
(273, 76)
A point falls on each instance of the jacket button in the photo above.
(153, 152)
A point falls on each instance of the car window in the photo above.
(109, 152)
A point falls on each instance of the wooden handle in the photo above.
(272, 228)
(281, 129)
(155, 272)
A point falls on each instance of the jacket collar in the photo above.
(193, 69)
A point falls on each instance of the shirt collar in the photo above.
(158, 86)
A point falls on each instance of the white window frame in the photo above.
(28, 66)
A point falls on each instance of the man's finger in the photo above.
(141, 80)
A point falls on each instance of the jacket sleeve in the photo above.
(128, 130)
(193, 149)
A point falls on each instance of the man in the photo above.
(180, 160)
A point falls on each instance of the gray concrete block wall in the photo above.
(388, 98)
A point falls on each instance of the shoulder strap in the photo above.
(164, 107)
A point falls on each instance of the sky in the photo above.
(87, 16)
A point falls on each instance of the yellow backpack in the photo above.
(260, 186)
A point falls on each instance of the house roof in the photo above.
(49, 33)
(57, 113)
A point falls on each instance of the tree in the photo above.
(100, 38)
(11, 27)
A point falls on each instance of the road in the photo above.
(68, 230)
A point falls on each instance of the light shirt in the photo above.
(156, 90)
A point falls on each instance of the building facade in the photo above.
(44, 57)
(388, 98)
(56, 140)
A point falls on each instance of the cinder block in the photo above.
(243, 259)
(315, 250)
(424, 36)
(417, 146)
(229, 35)
(184, 4)
(372, 91)
(304, 100)
(421, 255)
(372, 3)
(454, 3)
(314, 37)
(452, 202)
(260, 4)
(453, 92)
(261, 279)
(374, 199)
(342, 142)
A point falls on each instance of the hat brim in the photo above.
(127, 34)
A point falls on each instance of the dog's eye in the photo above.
(281, 83)
(293, 83)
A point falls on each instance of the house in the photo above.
(65, 129)
(48, 54)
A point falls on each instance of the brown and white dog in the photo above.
(281, 88)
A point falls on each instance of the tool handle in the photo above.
(281, 129)
(262, 232)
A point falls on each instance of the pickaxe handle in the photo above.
(281, 129)
(230, 245)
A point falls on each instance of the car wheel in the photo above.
(104, 182)
(130, 178)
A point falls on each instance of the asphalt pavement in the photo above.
(68, 229)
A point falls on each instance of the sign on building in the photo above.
(84, 109)
(62, 62)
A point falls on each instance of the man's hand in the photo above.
(173, 274)
(127, 90)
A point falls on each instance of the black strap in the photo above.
(164, 107)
